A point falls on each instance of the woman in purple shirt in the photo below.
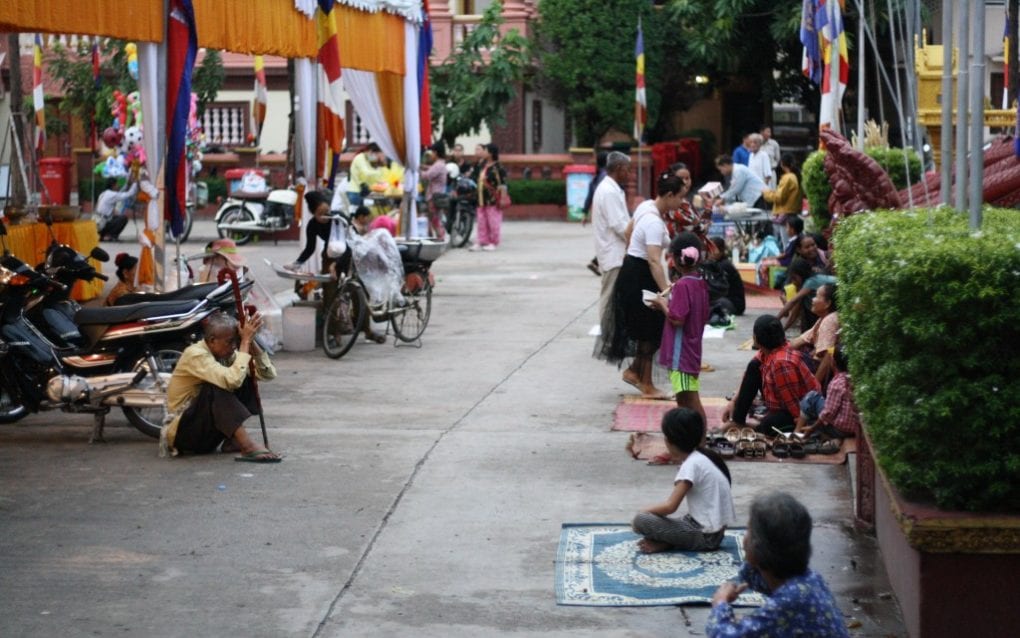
(435, 187)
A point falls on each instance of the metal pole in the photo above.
(977, 115)
(946, 147)
(962, 91)
(860, 80)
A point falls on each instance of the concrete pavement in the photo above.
(422, 493)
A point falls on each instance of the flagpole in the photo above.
(962, 90)
(946, 142)
(977, 119)
(860, 80)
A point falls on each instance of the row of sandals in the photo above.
(750, 444)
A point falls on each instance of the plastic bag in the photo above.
(252, 182)
(377, 260)
(337, 245)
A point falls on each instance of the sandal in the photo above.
(748, 434)
(745, 449)
(732, 435)
(759, 449)
(781, 450)
(796, 450)
(830, 446)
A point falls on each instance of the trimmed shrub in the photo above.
(537, 191)
(815, 184)
(931, 323)
(891, 159)
(217, 187)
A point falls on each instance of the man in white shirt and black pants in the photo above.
(109, 213)
(609, 218)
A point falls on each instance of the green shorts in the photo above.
(683, 382)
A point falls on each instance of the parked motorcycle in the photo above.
(109, 357)
(460, 218)
(242, 216)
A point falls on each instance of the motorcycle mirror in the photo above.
(99, 254)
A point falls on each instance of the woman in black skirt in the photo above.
(637, 329)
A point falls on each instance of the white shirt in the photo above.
(761, 165)
(649, 230)
(108, 200)
(771, 148)
(709, 500)
(609, 218)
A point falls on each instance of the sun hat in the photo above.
(227, 249)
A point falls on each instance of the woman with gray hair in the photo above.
(777, 548)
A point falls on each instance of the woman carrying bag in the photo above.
(492, 199)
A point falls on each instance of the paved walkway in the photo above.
(422, 493)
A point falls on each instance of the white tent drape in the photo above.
(364, 95)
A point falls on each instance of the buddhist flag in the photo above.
(830, 26)
(38, 99)
(258, 106)
(811, 62)
(181, 48)
(331, 100)
(640, 99)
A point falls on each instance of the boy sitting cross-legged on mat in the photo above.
(834, 416)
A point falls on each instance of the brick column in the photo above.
(516, 14)
(442, 30)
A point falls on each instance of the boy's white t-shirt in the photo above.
(649, 230)
(709, 500)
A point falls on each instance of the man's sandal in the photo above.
(258, 456)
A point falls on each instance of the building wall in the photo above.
(274, 130)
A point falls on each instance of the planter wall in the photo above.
(953, 573)
(536, 212)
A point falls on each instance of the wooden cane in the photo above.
(242, 318)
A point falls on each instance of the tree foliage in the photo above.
(586, 49)
(72, 69)
(474, 85)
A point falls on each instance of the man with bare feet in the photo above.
(210, 393)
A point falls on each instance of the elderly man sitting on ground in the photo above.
(210, 393)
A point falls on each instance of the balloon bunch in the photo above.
(123, 147)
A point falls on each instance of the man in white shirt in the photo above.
(771, 148)
(759, 163)
(609, 218)
(109, 213)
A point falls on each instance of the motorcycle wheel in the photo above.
(149, 421)
(189, 212)
(234, 215)
(410, 321)
(11, 408)
(344, 320)
(460, 227)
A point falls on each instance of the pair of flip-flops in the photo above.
(823, 446)
(788, 449)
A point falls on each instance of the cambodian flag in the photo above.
(812, 60)
(182, 46)
(640, 98)
(424, 101)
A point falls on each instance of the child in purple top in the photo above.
(686, 315)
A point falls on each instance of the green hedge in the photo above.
(931, 323)
(815, 184)
(891, 159)
(217, 187)
(537, 191)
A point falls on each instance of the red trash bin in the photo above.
(55, 173)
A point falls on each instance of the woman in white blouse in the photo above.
(636, 328)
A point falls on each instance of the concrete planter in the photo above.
(953, 572)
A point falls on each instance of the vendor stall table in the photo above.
(28, 242)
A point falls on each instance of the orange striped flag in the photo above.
(258, 106)
(331, 101)
(38, 99)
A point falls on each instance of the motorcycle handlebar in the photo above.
(101, 276)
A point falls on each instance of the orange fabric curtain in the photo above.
(391, 97)
(370, 41)
(136, 20)
(29, 242)
(265, 27)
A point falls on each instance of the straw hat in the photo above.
(227, 249)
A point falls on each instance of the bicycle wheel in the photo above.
(410, 320)
(343, 321)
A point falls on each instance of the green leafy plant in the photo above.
(931, 324)
(892, 160)
(217, 187)
(208, 79)
(815, 183)
(478, 80)
(538, 191)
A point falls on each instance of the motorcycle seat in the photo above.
(134, 312)
(196, 291)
